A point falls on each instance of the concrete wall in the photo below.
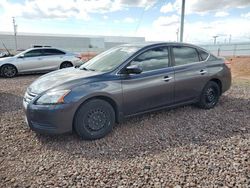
(67, 42)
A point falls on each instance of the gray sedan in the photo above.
(43, 59)
(122, 82)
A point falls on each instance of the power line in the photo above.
(142, 15)
(140, 20)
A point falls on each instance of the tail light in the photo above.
(227, 63)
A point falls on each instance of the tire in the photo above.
(94, 119)
(209, 96)
(8, 71)
(66, 65)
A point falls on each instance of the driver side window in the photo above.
(33, 53)
(153, 59)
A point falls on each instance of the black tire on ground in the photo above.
(94, 119)
(209, 96)
(66, 64)
(8, 71)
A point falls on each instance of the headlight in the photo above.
(53, 97)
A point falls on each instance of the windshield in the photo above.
(109, 59)
(23, 52)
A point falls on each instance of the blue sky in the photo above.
(156, 20)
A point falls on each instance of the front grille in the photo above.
(29, 96)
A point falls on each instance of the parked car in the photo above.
(3, 54)
(122, 82)
(42, 59)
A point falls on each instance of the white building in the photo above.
(76, 43)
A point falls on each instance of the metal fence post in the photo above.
(218, 52)
(234, 52)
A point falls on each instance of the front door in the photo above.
(152, 88)
(32, 60)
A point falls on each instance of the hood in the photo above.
(59, 77)
(6, 59)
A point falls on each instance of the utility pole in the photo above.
(182, 20)
(230, 37)
(15, 32)
(177, 35)
(215, 39)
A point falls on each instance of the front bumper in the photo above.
(49, 119)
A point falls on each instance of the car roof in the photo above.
(42, 48)
(151, 44)
(39, 48)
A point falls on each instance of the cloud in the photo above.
(203, 7)
(166, 21)
(105, 17)
(211, 5)
(221, 14)
(129, 20)
(167, 8)
(165, 29)
(203, 32)
(247, 15)
(137, 3)
(80, 9)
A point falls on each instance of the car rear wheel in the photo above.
(66, 65)
(94, 119)
(209, 96)
(8, 71)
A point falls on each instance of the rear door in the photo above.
(153, 87)
(53, 58)
(191, 73)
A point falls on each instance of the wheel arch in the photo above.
(217, 81)
(8, 64)
(105, 98)
(66, 61)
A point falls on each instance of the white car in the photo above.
(42, 59)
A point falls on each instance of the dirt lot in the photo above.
(183, 147)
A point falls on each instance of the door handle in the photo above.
(167, 78)
(202, 72)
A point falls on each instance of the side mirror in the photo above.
(21, 56)
(133, 69)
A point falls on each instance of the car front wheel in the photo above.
(209, 96)
(94, 119)
(8, 71)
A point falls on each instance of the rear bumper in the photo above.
(49, 119)
(226, 81)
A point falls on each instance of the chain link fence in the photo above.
(236, 49)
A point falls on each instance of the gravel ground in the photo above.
(183, 147)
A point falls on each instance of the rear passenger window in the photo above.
(53, 52)
(203, 55)
(34, 53)
(153, 59)
(184, 55)
(212, 58)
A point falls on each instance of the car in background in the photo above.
(122, 82)
(41, 59)
(3, 54)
